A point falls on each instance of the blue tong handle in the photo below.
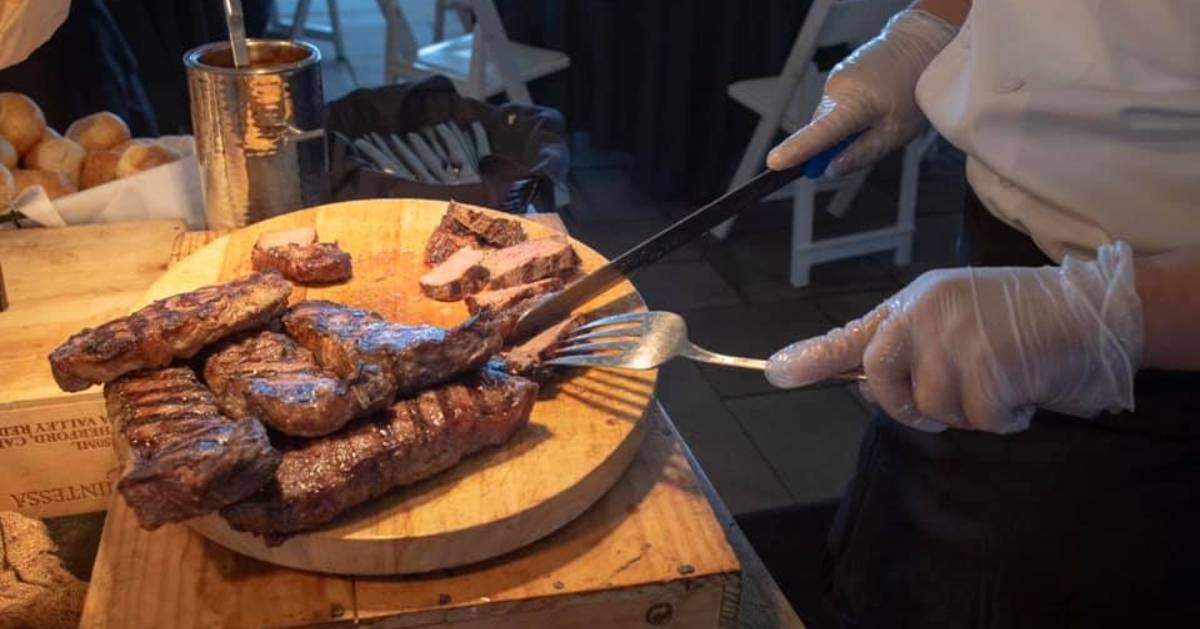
(816, 165)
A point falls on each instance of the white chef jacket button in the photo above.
(1011, 84)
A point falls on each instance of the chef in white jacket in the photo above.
(1037, 462)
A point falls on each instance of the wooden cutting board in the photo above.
(58, 281)
(582, 434)
(63, 279)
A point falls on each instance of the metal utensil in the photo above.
(645, 340)
(651, 250)
(411, 159)
(381, 160)
(482, 147)
(236, 21)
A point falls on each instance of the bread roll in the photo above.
(99, 131)
(123, 160)
(50, 133)
(8, 154)
(139, 155)
(57, 155)
(8, 189)
(99, 167)
(55, 184)
(21, 121)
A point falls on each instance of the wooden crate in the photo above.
(650, 553)
(55, 452)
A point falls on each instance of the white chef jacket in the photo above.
(27, 24)
(1080, 118)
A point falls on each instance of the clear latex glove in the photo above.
(874, 89)
(983, 348)
(27, 24)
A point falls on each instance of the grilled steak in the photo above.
(180, 457)
(299, 257)
(316, 263)
(470, 270)
(416, 438)
(496, 301)
(343, 339)
(463, 227)
(269, 377)
(175, 327)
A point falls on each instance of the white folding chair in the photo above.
(786, 102)
(299, 27)
(481, 63)
(441, 7)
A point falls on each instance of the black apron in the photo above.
(1072, 523)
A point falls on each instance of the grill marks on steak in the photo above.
(416, 438)
(175, 327)
(180, 457)
(270, 377)
(470, 270)
(463, 227)
(343, 339)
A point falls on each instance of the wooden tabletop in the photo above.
(662, 531)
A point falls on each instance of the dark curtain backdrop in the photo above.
(159, 32)
(649, 77)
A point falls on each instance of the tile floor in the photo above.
(764, 449)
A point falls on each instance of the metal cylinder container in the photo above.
(259, 130)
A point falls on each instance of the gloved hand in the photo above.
(874, 88)
(983, 348)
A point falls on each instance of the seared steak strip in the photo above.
(463, 227)
(416, 438)
(495, 301)
(315, 263)
(180, 457)
(526, 359)
(343, 339)
(175, 327)
(470, 270)
(269, 377)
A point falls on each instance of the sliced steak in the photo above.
(492, 230)
(460, 275)
(269, 377)
(444, 243)
(175, 327)
(416, 438)
(530, 261)
(300, 258)
(495, 301)
(180, 457)
(527, 358)
(343, 339)
(470, 270)
(463, 227)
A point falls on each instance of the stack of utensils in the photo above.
(443, 153)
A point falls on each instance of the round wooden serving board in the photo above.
(582, 433)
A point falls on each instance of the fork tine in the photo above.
(595, 347)
(589, 360)
(638, 317)
(613, 332)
